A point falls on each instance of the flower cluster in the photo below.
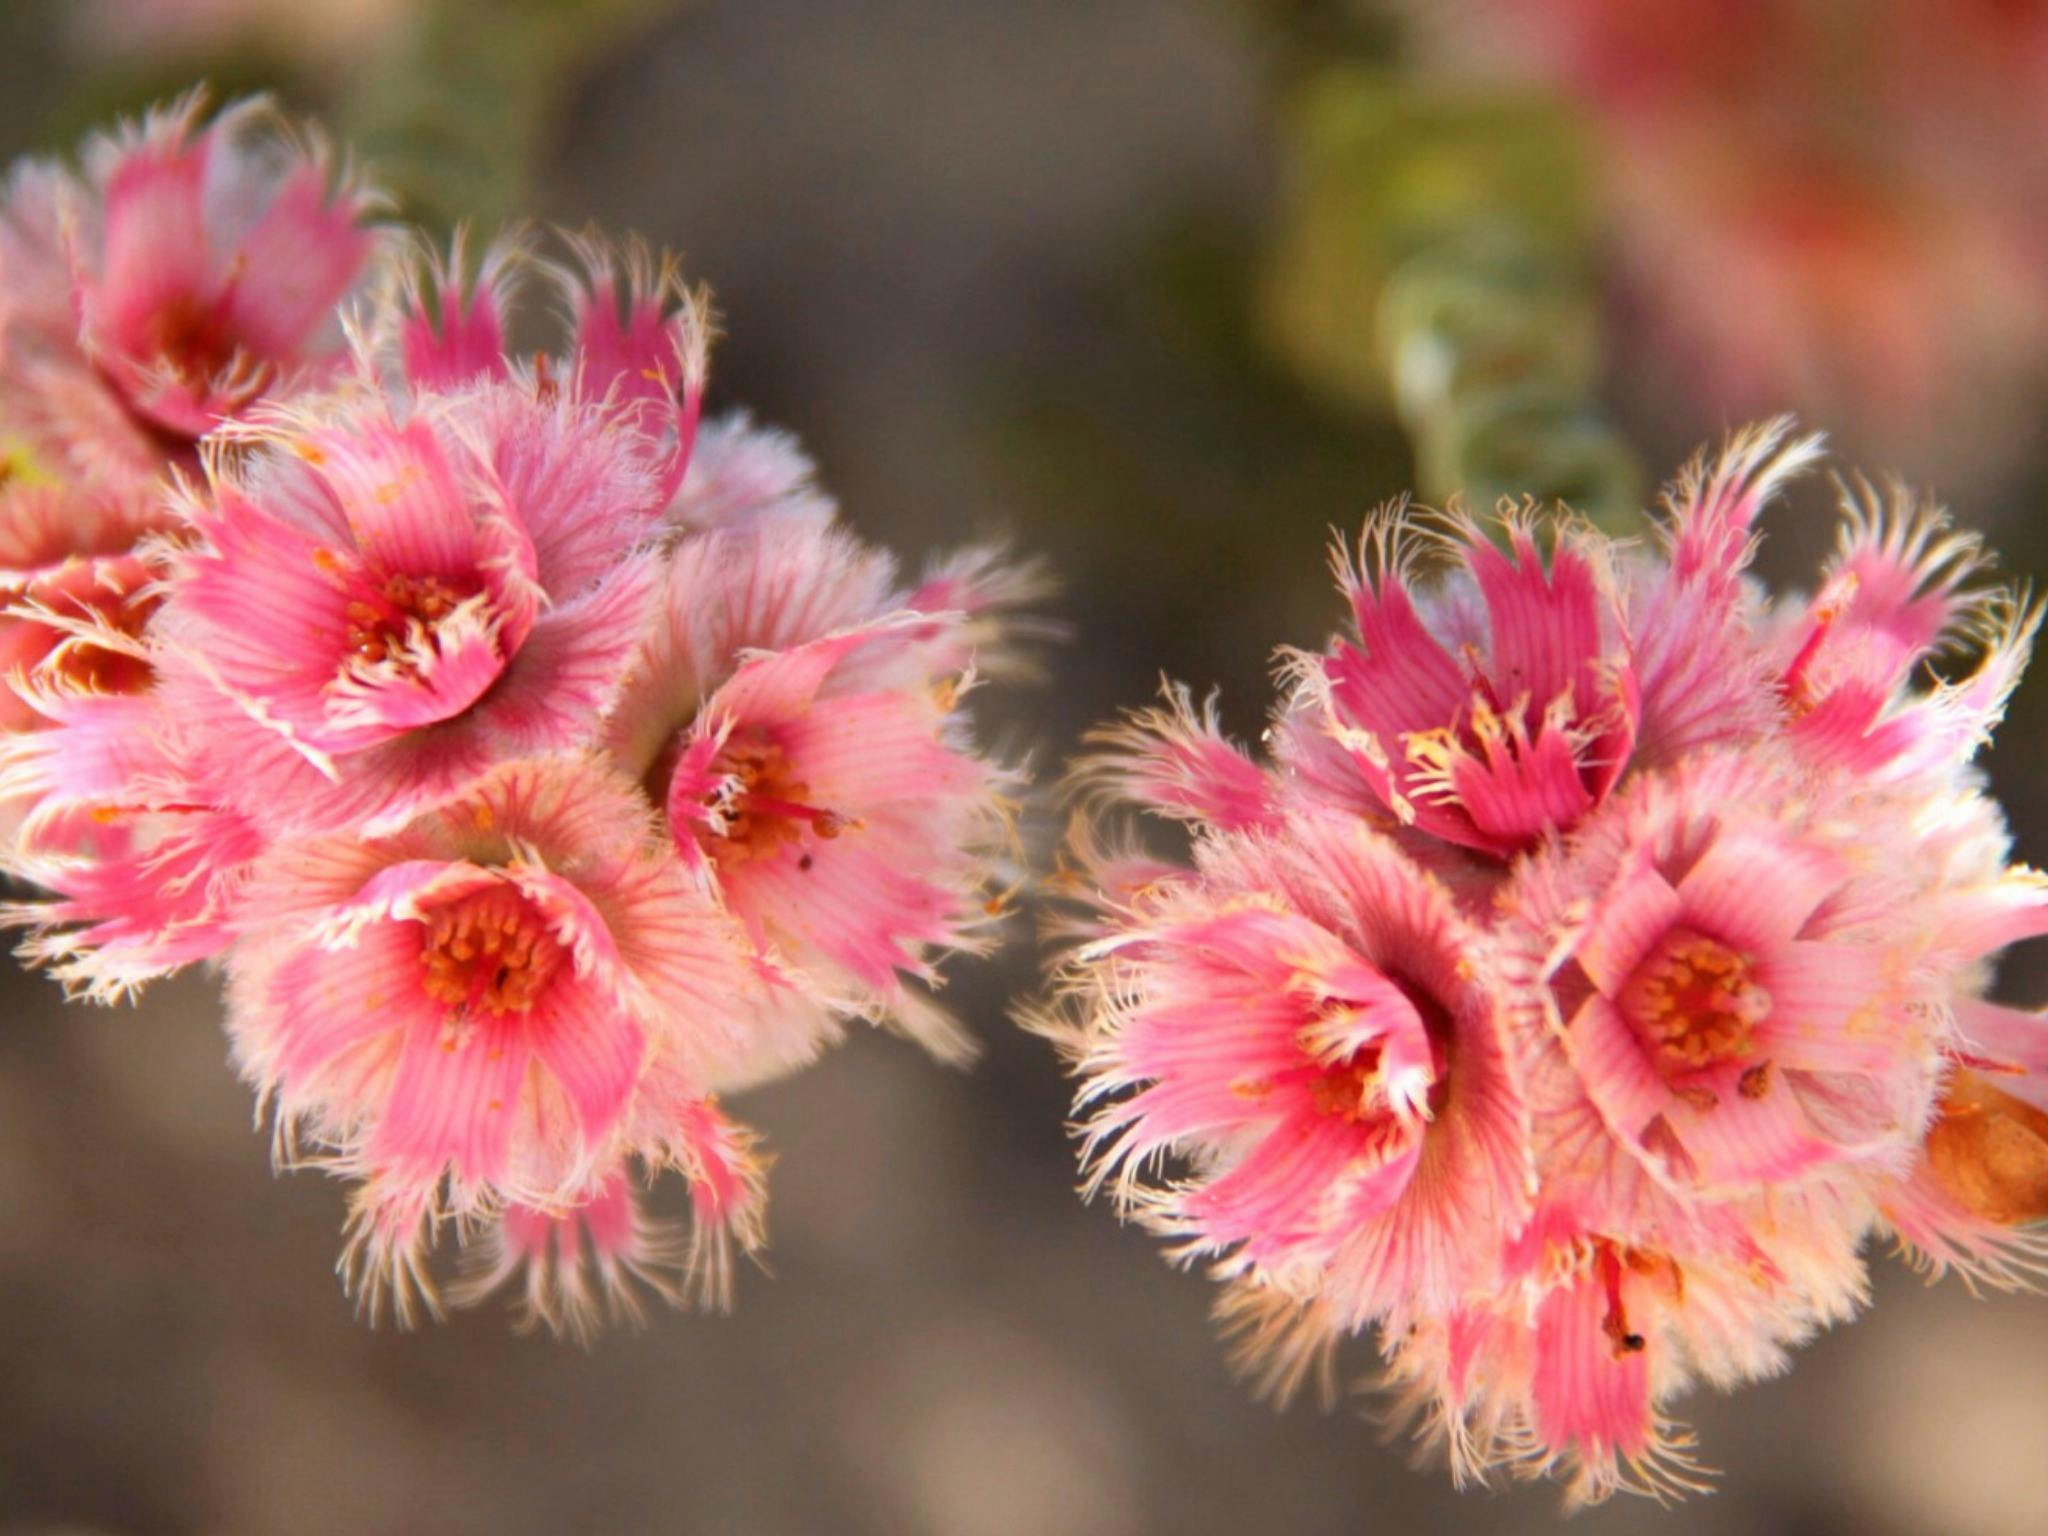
(1596, 963)
(539, 761)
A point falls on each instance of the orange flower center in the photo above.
(376, 626)
(768, 808)
(1693, 1003)
(1344, 1090)
(491, 950)
(1354, 1088)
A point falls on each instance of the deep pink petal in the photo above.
(593, 1048)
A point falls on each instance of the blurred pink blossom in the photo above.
(1834, 206)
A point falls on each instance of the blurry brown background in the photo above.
(985, 257)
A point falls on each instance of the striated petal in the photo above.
(321, 1002)
(409, 511)
(1834, 1008)
(570, 667)
(1293, 1183)
(1544, 628)
(1515, 794)
(154, 253)
(570, 483)
(1616, 1072)
(452, 334)
(1754, 889)
(1589, 1396)
(593, 1049)
(424, 679)
(454, 1097)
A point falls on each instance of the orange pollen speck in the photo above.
(769, 808)
(1693, 1003)
(376, 624)
(490, 950)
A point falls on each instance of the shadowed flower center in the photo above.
(378, 624)
(191, 339)
(83, 667)
(764, 801)
(1693, 1003)
(492, 950)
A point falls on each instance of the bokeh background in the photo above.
(1162, 290)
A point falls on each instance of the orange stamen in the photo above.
(491, 950)
(1694, 1004)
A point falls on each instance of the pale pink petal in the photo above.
(2009, 1045)
(1617, 1072)
(1754, 890)
(1743, 1142)
(1834, 1009)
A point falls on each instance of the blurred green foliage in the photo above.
(451, 102)
(1433, 257)
(455, 119)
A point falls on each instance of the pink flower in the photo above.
(1747, 996)
(195, 269)
(532, 779)
(600, 1257)
(479, 1008)
(742, 475)
(117, 820)
(1485, 710)
(1308, 1028)
(800, 728)
(385, 604)
(639, 340)
(1570, 1373)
